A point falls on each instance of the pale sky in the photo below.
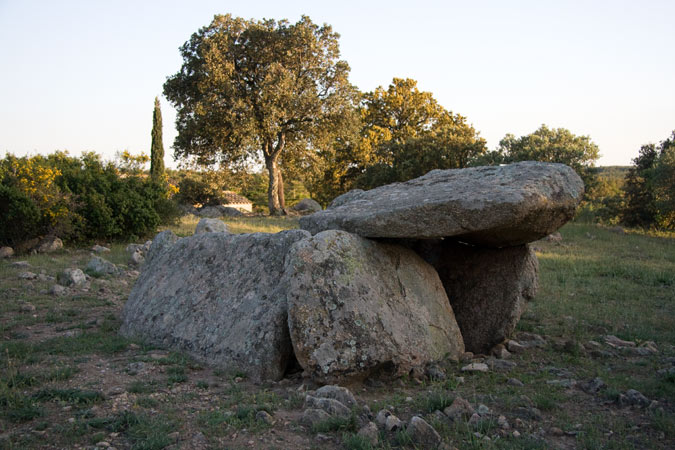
(83, 75)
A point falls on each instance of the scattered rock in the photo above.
(218, 297)
(592, 386)
(211, 226)
(136, 259)
(381, 418)
(434, 373)
(27, 276)
(483, 410)
(100, 249)
(21, 264)
(57, 290)
(555, 431)
(459, 409)
(264, 417)
(339, 393)
(502, 423)
(531, 340)
(565, 383)
(422, 433)
(554, 237)
(497, 206)
(98, 266)
(475, 367)
(359, 308)
(499, 351)
(514, 382)
(393, 423)
(500, 364)
(306, 206)
(615, 342)
(529, 412)
(6, 252)
(633, 398)
(370, 433)
(50, 244)
(27, 307)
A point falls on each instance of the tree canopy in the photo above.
(259, 88)
(649, 188)
(404, 133)
(557, 145)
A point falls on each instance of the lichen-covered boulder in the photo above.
(488, 287)
(497, 206)
(358, 308)
(217, 297)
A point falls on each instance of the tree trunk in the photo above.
(282, 197)
(273, 189)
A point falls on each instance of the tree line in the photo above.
(253, 94)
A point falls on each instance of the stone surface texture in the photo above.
(487, 287)
(496, 206)
(161, 242)
(217, 297)
(357, 308)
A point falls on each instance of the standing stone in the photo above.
(217, 297)
(487, 287)
(497, 206)
(357, 308)
(211, 226)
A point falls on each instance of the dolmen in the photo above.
(380, 283)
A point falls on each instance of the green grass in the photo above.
(186, 226)
(593, 283)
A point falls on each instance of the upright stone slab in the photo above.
(357, 307)
(217, 297)
(495, 206)
(487, 287)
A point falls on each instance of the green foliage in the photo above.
(405, 134)
(157, 147)
(78, 199)
(556, 145)
(649, 188)
(19, 216)
(249, 88)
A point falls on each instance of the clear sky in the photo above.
(82, 75)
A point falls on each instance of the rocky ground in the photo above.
(68, 380)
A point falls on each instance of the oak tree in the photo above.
(259, 88)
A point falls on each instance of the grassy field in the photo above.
(67, 380)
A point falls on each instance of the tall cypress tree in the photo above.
(157, 147)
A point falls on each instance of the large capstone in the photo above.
(487, 287)
(358, 308)
(495, 206)
(217, 296)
